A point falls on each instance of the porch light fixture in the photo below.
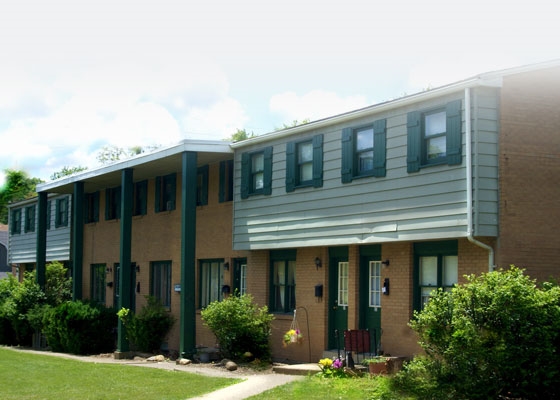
(318, 263)
(137, 268)
(385, 263)
(226, 266)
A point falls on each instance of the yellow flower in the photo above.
(325, 362)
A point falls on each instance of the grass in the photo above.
(35, 376)
(313, 387)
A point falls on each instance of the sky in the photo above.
(79, 75)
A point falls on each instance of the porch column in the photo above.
(188, 259)
(125, 286)
(77, 245)
(41, 255)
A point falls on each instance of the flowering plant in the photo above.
(292, 336)
(331, 368)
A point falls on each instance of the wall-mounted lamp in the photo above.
(385, 263)
(109, 270)
(137, 287)
(137, 268)
(226, 266)
(318, 263)
(109, 284)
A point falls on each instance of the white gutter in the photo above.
(469, 170)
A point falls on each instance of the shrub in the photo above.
(80, 327)
(147, 330)
(497, 335)
(58, 285)
(240, 326)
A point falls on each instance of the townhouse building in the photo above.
(352, 220)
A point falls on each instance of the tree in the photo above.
(67, 171)
(109, 154)
(294, 123)
(239, 135)
(18, 186)
(496, 336)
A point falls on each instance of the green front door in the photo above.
(370, 294)
(338, 296)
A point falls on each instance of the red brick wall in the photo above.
(530, 173)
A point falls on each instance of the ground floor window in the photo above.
(160, 281)
(97, 286)
(211, 278)
(283, 281)
(437, 266)
(374, 284)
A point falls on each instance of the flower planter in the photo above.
(377, 368)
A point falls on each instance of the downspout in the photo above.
(469, 171)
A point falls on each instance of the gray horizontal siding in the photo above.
(429, 204)
(23, 247)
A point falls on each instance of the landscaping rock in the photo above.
(183, 361)
(158, 358)
(231, 366)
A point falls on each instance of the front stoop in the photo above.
(297, 369)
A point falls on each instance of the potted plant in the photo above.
(376, 365)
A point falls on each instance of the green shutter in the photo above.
(318, 161)
(267, 173)
(290, 167)
(204, 189)
(414, 141)
(454, 146)
(158, 194)
(107, 203)
(143, 197)
(96, 207)
(117, 204)
(173, 195)
(347, 145)
(245, 172)
(222, 188)
(49, 204)
(379, 148)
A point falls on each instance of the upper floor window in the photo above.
(434, 137)
(226, 181)
(15, 222)
(283, 281)
(140, 198)
(29, 223)
(304, 163)
(113, 203)
(202, 186)
(165, 192)
(256, 173)
(91, 212)
(61, 212)
(364, 151)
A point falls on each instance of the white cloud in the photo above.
(313, 105)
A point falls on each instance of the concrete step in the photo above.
(297, 369)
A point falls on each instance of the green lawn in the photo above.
(35, 376)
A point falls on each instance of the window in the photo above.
(211, 278)
(202, 186)
(91, 212)
(256, 173)
(342, 295)
(434, 137)
(61, 212)
(97, 283)
(15, 222)
(283, 281)
(165, 192)
(160, 282)
(226, 181)
(29, 223)
(375, 284)
(364, 151)
(436, 267)
(140, 198)
(113, 203)
(304, 163)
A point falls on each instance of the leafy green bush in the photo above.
(497, 335)
(7, 333)
(80, 327)
(240, 326)
(147, 330)
(58, 285)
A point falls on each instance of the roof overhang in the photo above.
(146, 166)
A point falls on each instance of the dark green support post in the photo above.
(188, 260)
(77, 248)
(41, 256)
(125, 285)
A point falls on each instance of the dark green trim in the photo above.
(125, 289)
(318, 161)
(347, 167)
(91, 207)
(41, 239)
(140, 206)
(284, 256)
(338, 252)
(15, 222)
(379, 148)
(166, 201)
(77, 247)
(188, 255)
(291, 165)
(245, 174)
(414, 141)
(49, 205)
(226, 181)
(29, 222)
(453, 125)
(202, 186)
(267, 173)
(246, 181)
(113, 203)
(61, 212)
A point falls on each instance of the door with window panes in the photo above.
(338, 296)
(370, 299)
